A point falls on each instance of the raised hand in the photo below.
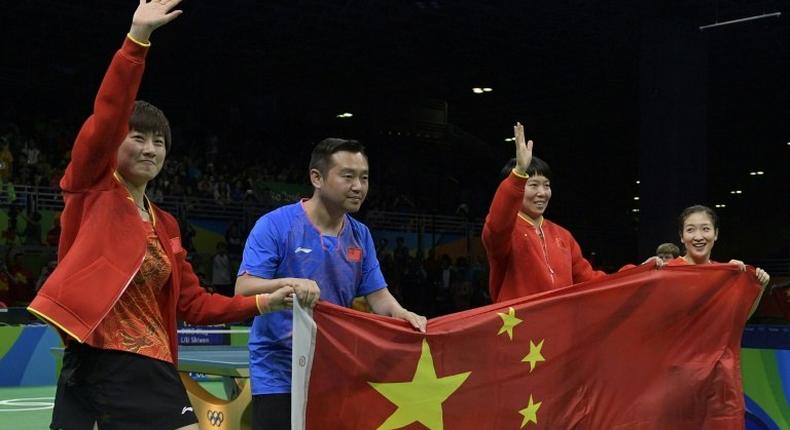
(523, 150)
(151, 15)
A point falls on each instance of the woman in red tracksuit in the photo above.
(527, 253)
(122, 279)
(698, 227)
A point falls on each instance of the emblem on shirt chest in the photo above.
(354, 254)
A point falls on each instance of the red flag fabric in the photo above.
(640, 349)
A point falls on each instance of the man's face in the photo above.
(537, 193)
(141, 156)
(345, 184)
(666, 256)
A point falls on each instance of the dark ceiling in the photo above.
(569, 69)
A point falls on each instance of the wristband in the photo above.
(143, 44)
(262, 302)
(520, 175)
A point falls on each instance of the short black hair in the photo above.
(147, 118)
(694, 209)
(322, 152)
(536, 167)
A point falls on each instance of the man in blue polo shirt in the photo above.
(309, 245)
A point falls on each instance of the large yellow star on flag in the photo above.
(534, 355)
(530, 413)
(419, 400)
(509, 321)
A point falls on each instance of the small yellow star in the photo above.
(509, 321)
(419, 400)
(534, 355)
(530, 413)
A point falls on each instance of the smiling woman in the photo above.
(699, 230)
(122, 277)
(526, 252)
(142, 154)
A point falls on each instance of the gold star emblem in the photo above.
(534, 355)
(419, 400)
(509, 321)
(530, 413)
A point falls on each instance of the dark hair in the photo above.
(147, 118)
(668, 248)
(536, 167)
(694, 209)
(321, 156)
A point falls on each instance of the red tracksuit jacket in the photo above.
(103, 243)
(526, 256)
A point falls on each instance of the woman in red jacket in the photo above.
(122, 279)
(527, 253)
(698, 227)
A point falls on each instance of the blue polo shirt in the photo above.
(285, 244)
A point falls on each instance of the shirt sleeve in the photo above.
(372, 278)
(262, 251)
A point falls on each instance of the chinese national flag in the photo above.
(640, 349)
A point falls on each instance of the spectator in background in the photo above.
(53, 234)
(6, 161)
(9, 235)
(441, 280)
(401, 253)
(32, 227)
(7, 191)
(21, 278)
(381, 247)
(5, 283)
(44, 274)
(233, 239)
(187, 235)
(479, 273)
(31, 152)
(667, 251)
(221, 278)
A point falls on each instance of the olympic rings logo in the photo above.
(215, 417)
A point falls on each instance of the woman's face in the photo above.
(537, 193)
(698, 235)
(141, 156)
